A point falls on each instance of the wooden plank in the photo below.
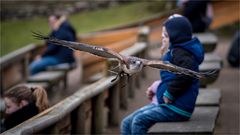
(108, 37)
(124, 92)
(62, 67)
(131, 89)
(225, 15)
(202, 122)
(209, 67)
(208, 40)
(98, 114)
(92, 70)
(17, 55)
(47, 76)
(212, 57)
(208, 97)
(81, 119)
(114, 105)
(62, 127)
(12, 76)
(45, 85)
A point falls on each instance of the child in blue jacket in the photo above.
(174, 95)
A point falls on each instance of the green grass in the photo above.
(16, 34)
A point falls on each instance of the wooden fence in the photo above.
(85, 111)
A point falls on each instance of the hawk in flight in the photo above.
(129, 64)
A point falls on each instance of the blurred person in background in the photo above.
(234, 51)
(55, 54)
(21, 103)
(198, 12)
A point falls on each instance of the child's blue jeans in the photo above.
(142, 119)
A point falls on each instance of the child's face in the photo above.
(165, 38)
(10, 106)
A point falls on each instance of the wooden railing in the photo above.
(14, 66)
(85, 111)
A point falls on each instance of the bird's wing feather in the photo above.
(96, 50)
(164, 65)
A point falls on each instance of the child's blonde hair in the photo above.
(32, 94)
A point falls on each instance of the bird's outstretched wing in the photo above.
(96, 50)
(164, 65)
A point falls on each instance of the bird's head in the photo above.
(132, 65)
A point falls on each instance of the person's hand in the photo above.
(149, 94)
(38, 57)
(167, 100)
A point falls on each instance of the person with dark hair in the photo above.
(23, 102)
(174, 95)
(233, 56)
(54, 54)
(199, 13)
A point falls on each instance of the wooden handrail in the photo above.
(16, 55)
(60, 110)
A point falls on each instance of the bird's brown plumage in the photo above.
(130, 64)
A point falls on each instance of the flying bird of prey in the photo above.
(129, 64)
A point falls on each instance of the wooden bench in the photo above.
(208, 97)
(14, 67)
(208, 67)
(65, 68)
(208, 40)
(212, 57)
(50, 77)
(201, 122)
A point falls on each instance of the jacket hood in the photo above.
(194, 47)
(179, 29)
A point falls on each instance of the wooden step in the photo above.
(208, 97)
(202, 122)
(45, 85)
(209, 67)
(50, 77)
(62, 67)
(212, 57)
(208, 40)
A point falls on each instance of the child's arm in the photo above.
(180, 83)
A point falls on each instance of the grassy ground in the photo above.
(16, 34)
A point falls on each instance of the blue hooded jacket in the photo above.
(63, 54)
(187, 52)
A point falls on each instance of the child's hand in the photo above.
(167, 100)
(149, 94)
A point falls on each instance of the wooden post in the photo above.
(124, 92)
(98, 112)
(62, 127)
(114, 105)
(131, 90)
(25, 67)
(81, 119)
